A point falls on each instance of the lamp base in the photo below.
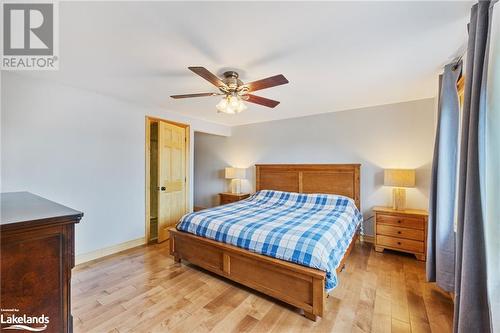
(236, 186)
(398, 198)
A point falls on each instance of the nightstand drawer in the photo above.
(389, 230)
(226, 200)
(401, 221)
(401, 243)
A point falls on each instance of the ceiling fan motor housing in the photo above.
(233, 83)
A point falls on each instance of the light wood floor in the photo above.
(143, 290)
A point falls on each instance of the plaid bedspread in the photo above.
(313, 230)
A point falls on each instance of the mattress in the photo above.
(312, 230)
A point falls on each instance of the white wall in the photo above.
(81, 149)
(390, 136)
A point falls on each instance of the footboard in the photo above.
(294, 284)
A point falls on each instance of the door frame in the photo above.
(187, 129)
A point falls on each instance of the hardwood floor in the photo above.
(143, 290)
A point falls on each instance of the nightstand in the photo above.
(227, 197)
(401, 230)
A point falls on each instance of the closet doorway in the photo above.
(167, 176)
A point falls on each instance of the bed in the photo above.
(288, 240)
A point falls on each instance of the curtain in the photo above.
(441, 235)
(471, 293)
(490, 184)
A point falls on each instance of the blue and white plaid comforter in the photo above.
(313, 230)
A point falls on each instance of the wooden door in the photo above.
(171, 177)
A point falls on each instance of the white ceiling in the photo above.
(336, 55)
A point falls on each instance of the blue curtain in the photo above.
(472, 311)
(441, 235)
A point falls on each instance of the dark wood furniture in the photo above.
(294, 284)
(401, 230)
(37, 255)
(226, 197)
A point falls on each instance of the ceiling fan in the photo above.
(235, 91)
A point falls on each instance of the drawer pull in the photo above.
(399, 232)
(399, 243)
(399, 221)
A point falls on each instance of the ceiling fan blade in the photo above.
(207, 75)
(194, 95)
(269, 82)
(262, 101)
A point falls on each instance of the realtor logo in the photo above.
(29, 36)
(10, 319)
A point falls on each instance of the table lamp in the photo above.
(236, 175)
(399, 179)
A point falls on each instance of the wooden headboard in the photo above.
(340, 179)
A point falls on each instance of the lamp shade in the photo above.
(399, 177)
(235, 173)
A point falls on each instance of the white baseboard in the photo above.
(85, 257)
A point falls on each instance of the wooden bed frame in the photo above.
(294, 284)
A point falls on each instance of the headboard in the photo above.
(340, 179)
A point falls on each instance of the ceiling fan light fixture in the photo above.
(222, 105)
(241, 107)
(234, 101)
(231, 104)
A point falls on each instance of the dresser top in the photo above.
(405, 211)
(18, 208)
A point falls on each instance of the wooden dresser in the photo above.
(37, 255)
(404, 231)
(227, 197)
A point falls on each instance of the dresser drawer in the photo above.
(401, 221)
(396, 231)
(400, 243)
